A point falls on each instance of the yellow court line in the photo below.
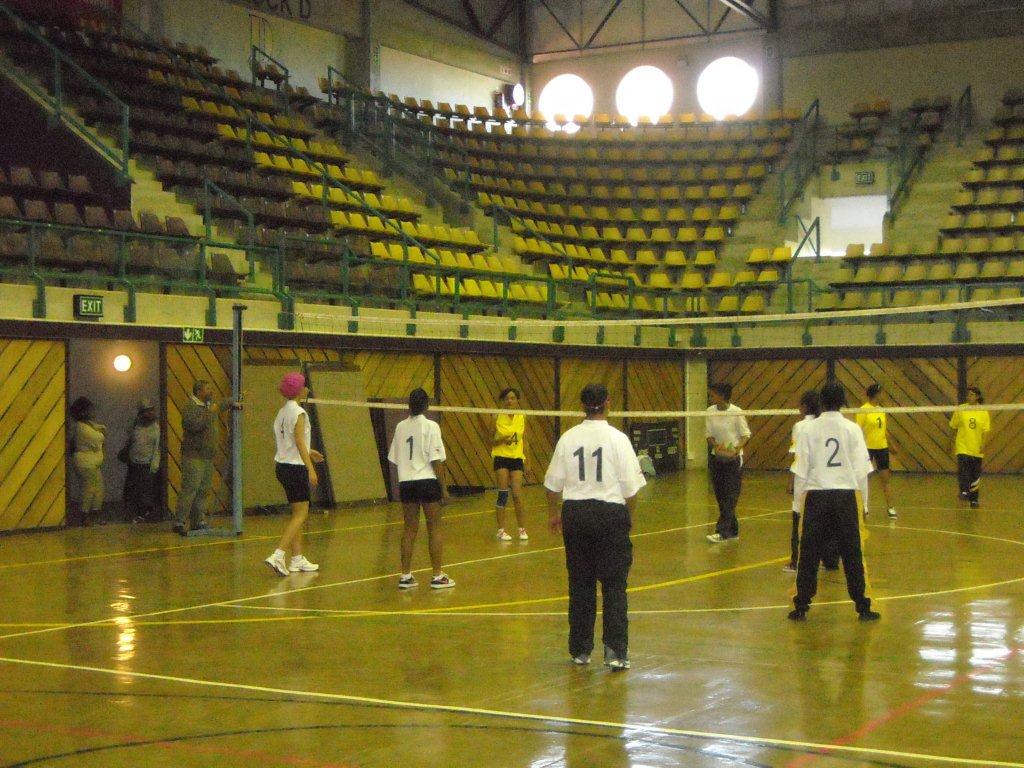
(528, 716)
(217, 542)
(266, 595)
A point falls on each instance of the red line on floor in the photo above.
(900, 711)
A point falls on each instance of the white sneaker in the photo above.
(503, 536)
(441, 582)
(407, 582)
(523, 535)
(300, 563)
(582, 660)
(892, 512)
(277, 563)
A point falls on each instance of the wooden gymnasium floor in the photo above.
(126, 646)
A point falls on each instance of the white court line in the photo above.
(311, 587)
(806, 746)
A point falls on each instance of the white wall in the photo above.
(406, 74)
(224, 29)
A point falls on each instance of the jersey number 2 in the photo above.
(834, 444)
(578, 453)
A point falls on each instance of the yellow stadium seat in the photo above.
(675, 258)
(782, 254)
(759, 255)
(686, 235)
(745, 277)
(753, 304)
(940, 271)
(720, 281)
(646, 257)
(728, 305)
(768, 276)
(692, 281)
(966, 270)
(660, 280)
(705, 258)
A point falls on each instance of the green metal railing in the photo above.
(63, 71)
(187, 272)
(963, 115)
(182, 63)
(803, 160)
(256, 56)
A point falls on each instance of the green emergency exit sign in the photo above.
(193, 335)
(88, 307)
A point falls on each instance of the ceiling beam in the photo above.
(607, 16)
(558, 21)
(474, 20)
(460, 24)
(693, 18)
(746, 8)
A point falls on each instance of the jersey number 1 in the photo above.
(409, 441)
(578, 453)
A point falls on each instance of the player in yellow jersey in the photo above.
(875, 425)
(508, 449)
(972, 428)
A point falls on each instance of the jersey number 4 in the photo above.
(579, 454)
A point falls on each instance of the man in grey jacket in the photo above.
(200, 432)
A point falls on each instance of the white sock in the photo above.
(296, 558)
(278, 553)
(406, 575)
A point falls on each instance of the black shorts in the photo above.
(419, 491)
(879, 457)
(294, 478)
(512, 465)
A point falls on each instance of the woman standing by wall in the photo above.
(142, 453)
(87, 457)
(508, 450)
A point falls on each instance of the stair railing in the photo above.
(803, 160)
(963, 115)
(63, 69)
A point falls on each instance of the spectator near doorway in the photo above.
(141, 454)
(87, 458)
(200, 432)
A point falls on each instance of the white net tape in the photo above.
(672, 414)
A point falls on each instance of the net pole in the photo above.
(236, 419)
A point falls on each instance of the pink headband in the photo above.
(291, 384)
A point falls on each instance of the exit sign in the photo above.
(193, 335)
(88, 307)
(865, 178)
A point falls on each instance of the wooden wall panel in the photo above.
(918, 442)
(392, 375)
(476, 381)
(576, 373)
(656, 385)
(768, 384)
(33, 435)
(1001, 380)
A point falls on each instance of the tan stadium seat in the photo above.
(890, 274)
(966, 270)
(853, 251)
(865, 275)
(940, 271)
(952, 246)
(852, 300)
(904, 298)
(976, 246)
(915, 273)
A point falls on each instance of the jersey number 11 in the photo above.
(578, 453)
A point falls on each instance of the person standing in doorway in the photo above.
(87, 458)
(293, 466)
(200, 433)
(875, 425)
(143, 455)
(418, 452)
(972, 428)
(726, 436)
(508, 452)
(833, 465)
(591, 484)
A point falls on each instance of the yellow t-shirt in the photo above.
(513, 426)
(875, 426)
(971, 428)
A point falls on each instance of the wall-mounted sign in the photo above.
(340, 18)
(88, 307)
(193, 335)
(864, 178)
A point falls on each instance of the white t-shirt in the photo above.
(417, 443)
(284, 432)
(831, 454)
(594, 461)
(798, 482)
(727, 430)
